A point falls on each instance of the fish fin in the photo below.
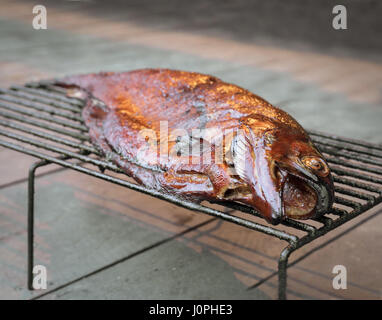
(269, 187)
(252, 164)
(240, 153)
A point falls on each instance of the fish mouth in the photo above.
(304, 195)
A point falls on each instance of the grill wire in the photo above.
(38, 119)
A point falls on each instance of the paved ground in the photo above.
(120, 244)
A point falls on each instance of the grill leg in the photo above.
(283, 265)
(31, 190)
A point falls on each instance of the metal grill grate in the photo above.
(39, 120)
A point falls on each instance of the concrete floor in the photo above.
(121, 244)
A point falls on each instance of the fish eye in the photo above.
(316, 164)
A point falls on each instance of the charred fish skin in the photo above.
(270, 163)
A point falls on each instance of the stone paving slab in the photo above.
(78, 231)
(254, 256)
(249, 257)
(171, 271)
(359, 251)
(296, 23)
(15, 167)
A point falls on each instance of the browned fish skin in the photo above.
(279, 155)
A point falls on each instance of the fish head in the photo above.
(286, 173)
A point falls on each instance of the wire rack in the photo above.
(38, 119)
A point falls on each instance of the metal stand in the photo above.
(282, 264)
(31, 192)
(294, 242)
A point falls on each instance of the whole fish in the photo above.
(197, 137)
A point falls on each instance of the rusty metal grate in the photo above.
(39, 120)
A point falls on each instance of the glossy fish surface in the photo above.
(197, 137)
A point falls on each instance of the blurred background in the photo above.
(285, 51)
